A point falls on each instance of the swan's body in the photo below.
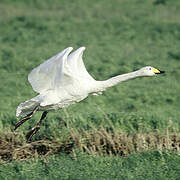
(63, 80)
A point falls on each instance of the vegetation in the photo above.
(147, 165)
(97, 142)
(132, 131)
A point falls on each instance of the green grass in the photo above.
(147, 165)
(120, 36)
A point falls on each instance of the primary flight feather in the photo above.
(63, 80)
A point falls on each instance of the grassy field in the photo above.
(148, 165)
(132, 131)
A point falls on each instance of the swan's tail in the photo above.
(26, 107)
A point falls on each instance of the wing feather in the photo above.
(50, 73)
(76, 63)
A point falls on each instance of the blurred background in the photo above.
(120, 36)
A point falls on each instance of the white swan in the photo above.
(63, 80)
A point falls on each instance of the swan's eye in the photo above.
(150, 69)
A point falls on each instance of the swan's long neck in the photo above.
(102, 85)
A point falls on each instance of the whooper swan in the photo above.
(63, 80)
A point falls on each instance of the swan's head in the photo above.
(150, 71)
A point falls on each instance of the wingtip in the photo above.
(82, 48)
(70, 48)
(67, 52)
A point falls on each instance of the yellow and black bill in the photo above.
(157, 71)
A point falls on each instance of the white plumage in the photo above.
(63, 80)
(60, 81)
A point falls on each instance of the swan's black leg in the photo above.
(24, 119)
(37, 127)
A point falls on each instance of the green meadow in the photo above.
(132, 131)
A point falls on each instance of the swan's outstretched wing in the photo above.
(51, 73)
(76, 64)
